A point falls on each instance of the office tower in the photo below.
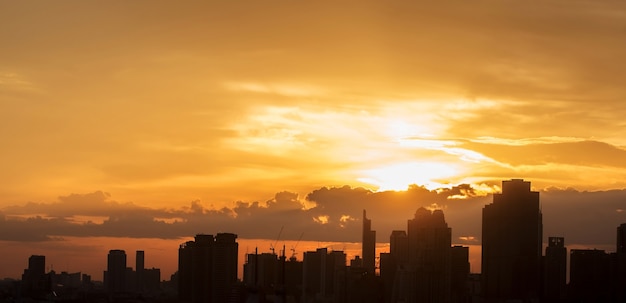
(35, 282)
(555, 266)
(225, 260)
(621, 239)
(429, 256)
(620, 268)
(399, 246)
(511, 244)
(323, 274)
(397, 258)
(459, 273)
(207, 268)
(115, 276)
(589, 275)
(368, 248)
(388, 268)
(139, 270)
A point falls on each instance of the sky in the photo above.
(152, 121)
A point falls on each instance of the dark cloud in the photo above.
(582, 217)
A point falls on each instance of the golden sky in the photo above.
(160, 103)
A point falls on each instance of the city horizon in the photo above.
(350, 243)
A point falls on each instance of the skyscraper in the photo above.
(620, 260)
(511, 244)
(399, 246)
(115, 276)
(555, 263)
(459, 273)
(35, 282)
(207, 268)
(225, 261)
(139, 269)
(368, 248)
(429, 256)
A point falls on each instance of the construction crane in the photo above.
(293, 248)
(273, 245)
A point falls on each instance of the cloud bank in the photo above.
(325, 214)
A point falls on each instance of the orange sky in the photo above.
(161, 103)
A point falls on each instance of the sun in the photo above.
(399, 176)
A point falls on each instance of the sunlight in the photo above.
(400, 176)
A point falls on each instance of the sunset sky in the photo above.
(161, 119)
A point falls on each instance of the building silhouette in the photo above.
(324, 276)
(207, 268)
(35, 282)
(555, 270)
(589, 275)
(368, 247)
(619, 266)
(140, 270)
(429, 243)
(511, 244)
(115, 275)
(459, 274)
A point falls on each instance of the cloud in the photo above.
(335, 215)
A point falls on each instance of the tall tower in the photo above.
(399, 246)
(511, 244)
(207, 268)
(555, 264)
(429, 256)
(139, 268)
(620, 283)
(368, 248)
(34, 280)
(115, 278)
(621, 239)
(225, 260)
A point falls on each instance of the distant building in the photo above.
(619, 283)
(115, 275)
(511, 244)
(324, 275)
(139, 270)
(368, 247)
(207, 268)
(459, 273)
(429, 257)
(35, 282)
(555, 267)
(589, 275)
(399, 246)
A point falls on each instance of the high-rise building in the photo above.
(555, 266)
(429, 256)
(115, 276)
(225, 261)
(207, 268)
(139, 270)
(621, 239)
(589, 275)
(323, 275)
(619, 285)
(368, 248)
(511, 244)
(35, 282)
(399, 246)
(459, 273)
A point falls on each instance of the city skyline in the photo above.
(136, 125)
(325, 225)
(422, 265)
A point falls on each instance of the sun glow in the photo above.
(400, 176)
